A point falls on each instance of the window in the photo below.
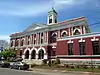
(70, 48)
(33, 54)
(42, 34)
(54, 38)
(28, 42)
(38, 38)
(16, 42)
(50, 21)
(95, 45)
(41, 54)
(82, 48)
(22, 42)
(41, 37)
(64, 34)
(76, 32)
(41, 41)
(55, 20)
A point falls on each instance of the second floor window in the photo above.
(54, 37)
(22, 42)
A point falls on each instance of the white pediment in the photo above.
(35, 27)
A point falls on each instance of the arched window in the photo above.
(33, 54)
(17, 42)
(41, 54)
(28, 42)
(64, 34)
(76, 32)
(22, 42)
(27, 54)
(54, 38)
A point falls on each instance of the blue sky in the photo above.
(17, 15)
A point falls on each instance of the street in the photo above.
(7, 71)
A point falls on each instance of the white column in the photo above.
(84, 31)
(36, 56)
(69, 31)
(72, 31)
(81, 30)
(29, 56)
(13, 43)
(23, 56)
(37, 38)
(47, 37)
(45, 56)
(58, 33)
(30, 39)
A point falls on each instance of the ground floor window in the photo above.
(70, 48)
(41, 54)
(27, 54)
(96, 49)
(82, 48)
(33, 54)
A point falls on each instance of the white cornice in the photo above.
(80, 36)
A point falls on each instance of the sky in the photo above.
(17, 15)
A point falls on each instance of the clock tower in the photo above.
(52, 17)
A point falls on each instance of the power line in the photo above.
(94, 24)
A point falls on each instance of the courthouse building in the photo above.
(69, 40)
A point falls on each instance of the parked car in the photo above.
(19, 65)
(1, 63)
(4, 64)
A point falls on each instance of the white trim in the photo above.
(53, 47)
(59, 33)
(26, 50)
(76, 29)
(95, 39)
(69, 31)
(81, 30)
(80, 36)
(78, 55)
(42, 49)
(84, 31)
(54, 33)
(81, 40)
(70, 41)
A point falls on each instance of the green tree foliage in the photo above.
(8, 53)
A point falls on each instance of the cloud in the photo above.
(5, 37)
(23, 9)
(35, 8)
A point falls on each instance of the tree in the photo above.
(8, 53)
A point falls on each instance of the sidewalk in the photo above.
(62, 71)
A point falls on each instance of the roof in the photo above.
(40, 26)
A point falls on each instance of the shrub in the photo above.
(33, 65)
(57, 61)
(44, 61)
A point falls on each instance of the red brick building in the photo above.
(67, 40)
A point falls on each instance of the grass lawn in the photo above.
(83, 69)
